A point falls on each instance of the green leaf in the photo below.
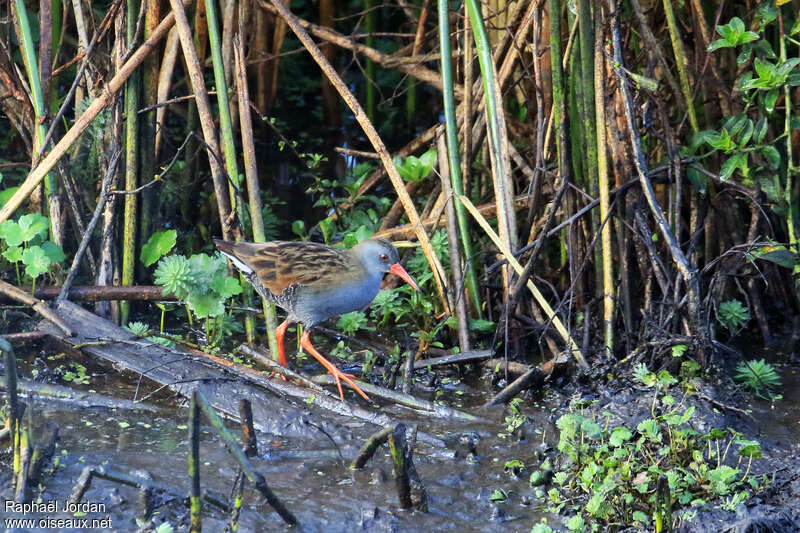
(698, 180)
(53, 251)
(733, 315)
(36, 262)
(173, 273)
(158, 245)
(139, 329)
(205, 305)
(749, 448)
(428, 160)
(619, 436)
(782, 257)
(32, 225)
(299, 228)
(772, 155)
(481, 325)
(328, 227)
(227, 286)
(6, 195)
(591, 429)
(770, 99)
(498, 496)
(795, 27)
(760, 130)
(678, 350)
(764, 69)
(11, 233)
(720, 43)
(13, 254)
(363, 233)
(737, 160)
(745, 134)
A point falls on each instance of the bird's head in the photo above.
(380, 255)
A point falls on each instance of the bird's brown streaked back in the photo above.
(280, 264)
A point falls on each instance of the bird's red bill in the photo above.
(398, 270)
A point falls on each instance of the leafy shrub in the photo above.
(25, 243)
(758, 376)
(615, 470)
(733, 316)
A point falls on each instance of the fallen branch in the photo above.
(533, 377)
(433, 409)
(37, 305)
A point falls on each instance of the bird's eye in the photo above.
(384, 257)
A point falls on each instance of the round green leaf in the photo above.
(53, 251)
(11, 233)
(13, 254)
(36, 261)
(158, 245)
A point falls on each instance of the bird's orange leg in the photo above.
(305, 342)
(280, 331)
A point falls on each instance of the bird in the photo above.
(313, 281)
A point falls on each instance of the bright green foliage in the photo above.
(13, 254)
(498, 496)
(776, 254)
(159, 244)
(750, 141)
(36, 262)
(733, 34)
(542, 527)
(352, 322)
(25, 244)
(201, 281)
(173, 274)
(733, 316)
(140, 329)
(53, 251)
(26, 229)
(758, 376)
(678, 350)
(416, 168)
(615, 468)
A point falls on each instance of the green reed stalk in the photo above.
(602, 180)
(471, 281)
(195, 496)
(34, 80)
(369, 23)
(228, 143)
(147, 143)
(130, 222)
(494, 110)
(586, 38)
(681, 61)
(790, 168)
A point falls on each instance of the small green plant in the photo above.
(614, 470)
(416, 168)
(25, 243)
(515, 420)
(158, 245)
(352, 322)
(140, 329)
(733, 316)
(758, 376)
(203, 283)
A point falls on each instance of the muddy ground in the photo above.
(311, 476)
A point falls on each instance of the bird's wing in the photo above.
(279, 265)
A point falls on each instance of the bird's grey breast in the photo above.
(313, 305)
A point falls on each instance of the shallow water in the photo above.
(309, 475)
